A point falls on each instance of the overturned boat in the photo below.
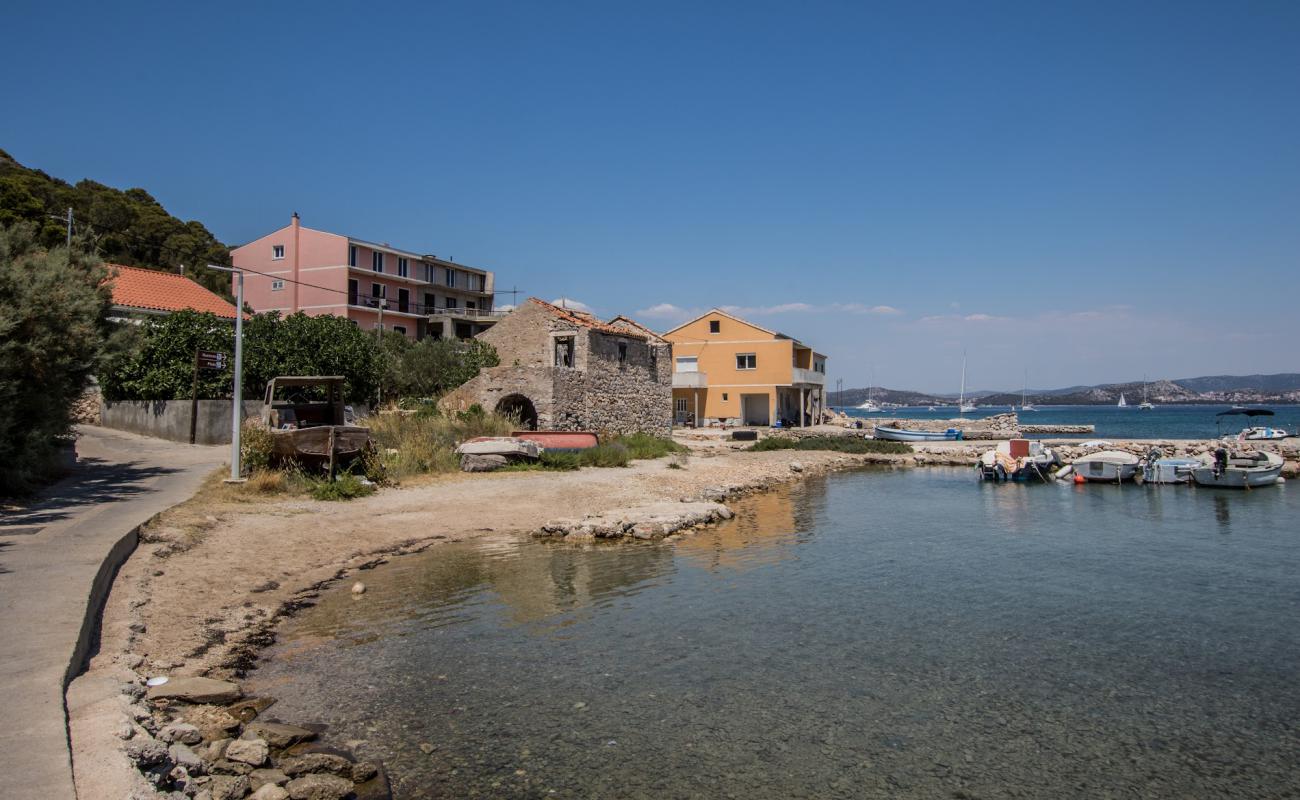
(309, 422)
(909, 435)
(1107, 466)
(1018, 460)
(1239, 470)
(511, 447)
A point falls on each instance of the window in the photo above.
(277, 252)
(352, 255)
(378, 292)
(352, 291)
(622, 353)
(470, 304)
(564, 351)
(403, 267)
(746, 361)
(452, 302)
(688, 364)
(724, 397)
(429, 302)
(377, 261)
(681, 405)
(820, 366)
(277, 285)
(450, 275)
(399, 329)
(428, 273)
(474, 282)
(403, 300)
(715, 326)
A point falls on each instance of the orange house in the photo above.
(727, 370)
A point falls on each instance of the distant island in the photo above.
(1279, 388)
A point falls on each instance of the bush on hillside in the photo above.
(52, 310)
(430, 368)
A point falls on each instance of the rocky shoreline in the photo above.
(178, 740)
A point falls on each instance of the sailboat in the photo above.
(869, 405)
(962, 406)
(1026, 406)
(1145, 406)
(1122, 402)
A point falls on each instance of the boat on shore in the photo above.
(1107, 466)
(1261, 433)
(1239, 470)
(309, 422)
(908, 435)
(1018, 460)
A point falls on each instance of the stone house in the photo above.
(563, 369)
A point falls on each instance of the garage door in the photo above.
(754, 409)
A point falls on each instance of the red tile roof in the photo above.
(621, 320)
(154, 290)
(585, 320)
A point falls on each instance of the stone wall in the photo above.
(600, 392)
(170, 419)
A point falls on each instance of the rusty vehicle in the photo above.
(310, 424)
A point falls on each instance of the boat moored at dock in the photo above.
(1239, 470)
(1018, 460)
(1107, 466)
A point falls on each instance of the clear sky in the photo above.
(1088, 191)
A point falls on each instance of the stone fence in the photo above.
(170, 419)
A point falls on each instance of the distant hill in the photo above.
(1280, 388)
(128, 227)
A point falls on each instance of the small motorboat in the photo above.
(1158, 469)
(1108, 466)
(1018, 460)
(1260, 433)
(1239, 470)
(907, 435)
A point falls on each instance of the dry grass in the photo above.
(422, 443)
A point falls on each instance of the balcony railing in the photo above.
(690, 380)
(807, 376)
(475, 313)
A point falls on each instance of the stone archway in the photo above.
(519, 407)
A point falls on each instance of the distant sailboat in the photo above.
(1025, 406)
(1145, 406)
(962, 406)
(869, 405)
(1122, 402)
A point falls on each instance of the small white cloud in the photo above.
(885, 310)
(569, 302)
(983, 318)
(506, 307)
(664, 311)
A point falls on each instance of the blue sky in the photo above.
(1088, 191)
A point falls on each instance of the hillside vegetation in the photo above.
(122, 226)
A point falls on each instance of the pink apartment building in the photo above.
(315, 272)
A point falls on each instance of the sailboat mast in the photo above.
(962, 401)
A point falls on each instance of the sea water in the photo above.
(915, 634)
(1161, 422)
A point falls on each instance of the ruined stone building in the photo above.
(563, 369)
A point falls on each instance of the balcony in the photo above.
(807, 376)
(466, 313)
(690, 380)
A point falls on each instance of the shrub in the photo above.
(643, 445)
(266, 481)
(606, 454)
(255, 446)
(840, 444)
(52, 311)
(413, 444)
(345, 486)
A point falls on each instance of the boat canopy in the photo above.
(1249, 412)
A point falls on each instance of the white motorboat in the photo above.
(1239, 470)
(1107, 466)
(1158, 469)
(1259, 433)
(1018, 460)
(909, 435)
(869, 405)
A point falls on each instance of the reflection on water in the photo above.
(883, 634)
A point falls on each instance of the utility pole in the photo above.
(66, 219)
(379, 348)
(237, 396)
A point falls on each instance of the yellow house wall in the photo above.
(717, 360)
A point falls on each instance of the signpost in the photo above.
(203, 359)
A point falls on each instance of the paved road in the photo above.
(57, 557)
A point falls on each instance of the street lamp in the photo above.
(237, 399)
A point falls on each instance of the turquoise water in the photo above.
(913, 634)
(1162, 422)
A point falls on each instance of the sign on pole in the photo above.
(211, 359)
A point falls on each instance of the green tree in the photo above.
(433, 367)
(52, 310)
